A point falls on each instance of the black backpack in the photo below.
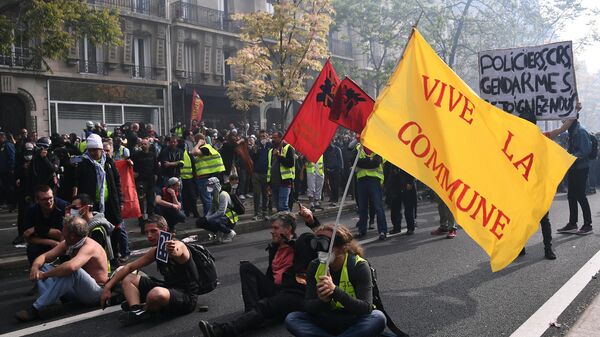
(205, 264)
(594, 154)
(237, 205)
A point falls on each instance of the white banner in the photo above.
(530, 81)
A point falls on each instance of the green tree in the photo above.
(282, 50)
(49, 28)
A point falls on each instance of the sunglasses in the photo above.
(320, 243)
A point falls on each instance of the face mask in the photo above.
(74, 212)
(28, 158)
(209, 189)
(234, 186)
(263, 141)
(324, 256)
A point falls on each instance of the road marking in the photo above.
(539, 322)
(61, 322)
(8, 229)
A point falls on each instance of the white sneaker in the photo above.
(249, 195)
(228, 237)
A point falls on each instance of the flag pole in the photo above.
(339, 213)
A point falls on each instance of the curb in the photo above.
(248, 226)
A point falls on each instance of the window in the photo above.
(190, 58)
(88, 62)
(141, 57)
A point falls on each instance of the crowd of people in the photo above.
(68, 195)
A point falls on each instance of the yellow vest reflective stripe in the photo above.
(286, 172)
(310, 167)
(362, 172)
(212, 163)
(344, 283)
(186, 170)
(229, 213)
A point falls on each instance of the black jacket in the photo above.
(85, 181)
(396, 180)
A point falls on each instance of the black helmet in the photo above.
(44, 142)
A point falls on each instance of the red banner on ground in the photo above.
(351, 106)
(131, 205)
(311, 130)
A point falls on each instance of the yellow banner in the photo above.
(496, 172)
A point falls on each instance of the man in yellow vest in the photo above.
(369, 178)
(188, 185)
(314, 181)
(208, 164)
(281, 171)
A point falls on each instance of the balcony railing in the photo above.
(86, 67)
(193, 77)
(203, 16)
(19, 58)
(147, 7)
(147, 73)
(340, 48)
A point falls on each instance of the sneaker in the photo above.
(360, 235)
(242, 197)
(28, 315)
(334, 204)
(249, 195)
(122, 260)
(371, 226)
(451, 234)
(18, 240)
(228, 237)
(133, 316)
(569, 228)
(318, 206)
(549, 254)
(382, 236)
(439, 231)
(208, 330)
(584, 230)
(395, 230)
(410, 232)
(256, 218)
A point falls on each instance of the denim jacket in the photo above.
(580, 145)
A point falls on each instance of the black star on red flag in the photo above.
(351, 106)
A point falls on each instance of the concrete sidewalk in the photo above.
(588, 323)
(13, 257)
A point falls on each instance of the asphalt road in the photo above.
(431, 286)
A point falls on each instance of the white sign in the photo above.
(531, 81)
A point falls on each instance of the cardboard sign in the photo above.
(530, 81)
(161, 249)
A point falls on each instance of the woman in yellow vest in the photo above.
(339, 302)
(221, 218)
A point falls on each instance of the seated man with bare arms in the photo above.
(79, 279)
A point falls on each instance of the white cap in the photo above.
(89, 124)
(94, 142)
(172, 181)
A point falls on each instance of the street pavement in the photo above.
(431, 286)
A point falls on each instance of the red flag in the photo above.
(311, 130)
(131, 206)
(351, 106)
(197, 107)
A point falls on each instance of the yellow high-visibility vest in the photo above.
(286, 172)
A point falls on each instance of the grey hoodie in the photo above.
(98, 220)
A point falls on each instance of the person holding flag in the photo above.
(281, 171)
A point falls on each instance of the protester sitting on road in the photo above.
(338, 302)
(99, 228)
(79, 279)
(168, 203)
(175, 295)
(221, 218)
(44, 222)
(271, 296)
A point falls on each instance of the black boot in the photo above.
(549, 254)
(523, 252)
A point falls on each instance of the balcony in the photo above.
(203, 16)
(193, 77)
(20, 58)
(98, 68)
(147, 73)
(340, 48)
(146, 7)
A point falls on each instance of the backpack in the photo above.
(237, 205)
(594, 154)
(205, 264)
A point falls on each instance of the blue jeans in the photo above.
(120, 240)
(302, 324)
(205, 197)
(78, 286)
(281, 195)
(369, 189)
(219, 224)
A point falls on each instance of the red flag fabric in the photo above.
(197, 107)
(131, 205)
(351, 106)
(311, 130)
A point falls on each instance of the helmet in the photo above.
(44, 142)
(89, 124)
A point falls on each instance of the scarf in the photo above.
(79, 244)
(100, 176)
